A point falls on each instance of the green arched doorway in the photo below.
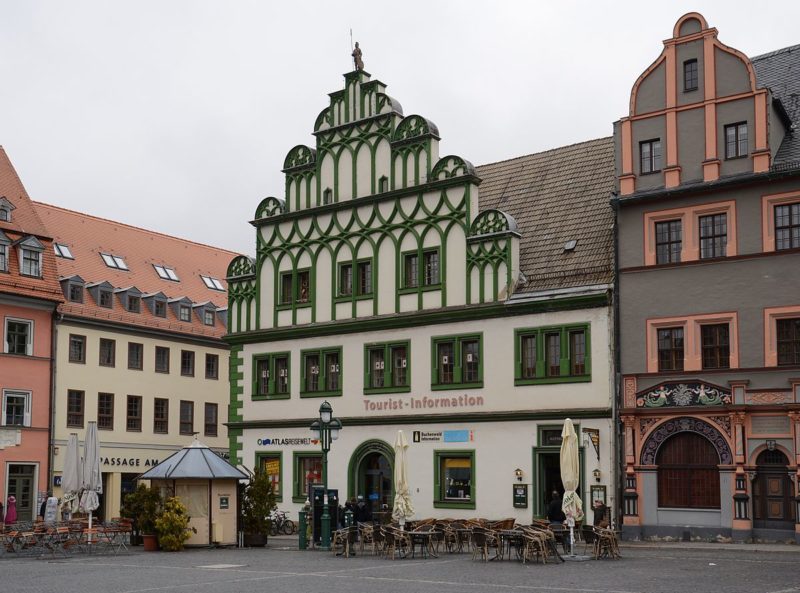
(371, 473)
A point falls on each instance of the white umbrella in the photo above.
(570, 475)
(92, 483)
(72, 475)
(403, 509)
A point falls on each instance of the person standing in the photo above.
(554, 512)
(11, 510)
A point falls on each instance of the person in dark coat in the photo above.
(554, 512)
(363, 512)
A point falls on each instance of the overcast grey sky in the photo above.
(177, 115)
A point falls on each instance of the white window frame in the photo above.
(212, 283)
(7, 212)
(29, 344)
(63, 251)
(3, 257)
(38, 253)
(26, 417)
(114, 261)
(187, 310)
(206, 313)
(166, 273)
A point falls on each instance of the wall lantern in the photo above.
(518, 474)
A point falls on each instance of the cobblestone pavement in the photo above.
(279, 569)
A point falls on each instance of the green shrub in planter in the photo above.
(258, 501)
(143, 505)
(172, 526)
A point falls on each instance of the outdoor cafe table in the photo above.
(509, 538)
(423, 540)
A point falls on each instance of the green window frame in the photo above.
(294, 289)
(421, 269)
(557, 354)
(298, 475)
(453, 364)
(262, 457)
(321, 372)
(356, 279)
(449, 492)
(271, 376)
(387, 367)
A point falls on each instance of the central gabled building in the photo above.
(468, 307)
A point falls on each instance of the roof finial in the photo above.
(357, 61)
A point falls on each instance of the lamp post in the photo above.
(327, 430)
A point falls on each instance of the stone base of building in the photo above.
(775, 535)
(676, 533)
(742, 536)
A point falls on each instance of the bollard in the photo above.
(348, 518)
(302, 531)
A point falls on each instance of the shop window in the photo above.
(186, 417)
(688, 476)
(105, 411)
(321, 372)
(387, 368)
(307, 470)
(458, 362)
(454, 476)
(271, 376)
(552, 355)
(272, 465)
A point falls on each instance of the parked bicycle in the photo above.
(280, 523)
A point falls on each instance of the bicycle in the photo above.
(280, 523)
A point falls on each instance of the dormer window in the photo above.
(4, 243)
(134, 304)
(166, 273)
(160, 308)
(5, 209)
(212, 283)
(185, 313)
(104, 299)
(208, 316)
(114, 261)
(62, 251)
(31, 263)
(75, 293)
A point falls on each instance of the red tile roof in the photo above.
(89, 236)
(25, 222)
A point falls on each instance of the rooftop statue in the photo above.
(357, 61)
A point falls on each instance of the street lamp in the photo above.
(326, 429)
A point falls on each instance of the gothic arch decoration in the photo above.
(241, 266)
(300, 156)
(492, 221)
(685, 424)
(364, 449)
(452, 166)
(270, 207)
(414, 126)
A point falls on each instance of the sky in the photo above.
(177, 115)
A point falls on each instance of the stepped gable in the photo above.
(557, 196)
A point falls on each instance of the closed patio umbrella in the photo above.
(72, 475)
(570, 475)
(92, 482)
(402, 509)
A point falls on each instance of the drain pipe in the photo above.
(54, 320)
(620, 454)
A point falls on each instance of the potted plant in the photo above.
(258, 501)
(172, 525)
(143, 505)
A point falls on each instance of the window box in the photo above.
(457, 362)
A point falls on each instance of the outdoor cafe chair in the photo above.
(606, 543)
(344, 541)
(480, 543)
(397, 542)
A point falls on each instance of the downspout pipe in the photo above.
(620, 454)
(54, 320)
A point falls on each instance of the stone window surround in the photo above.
(771, 317)
(692, 343)
(690, 228)
(768, 203)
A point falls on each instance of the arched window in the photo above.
(687, 472)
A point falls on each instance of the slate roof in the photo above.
(195, 461)
(25, 222)
(780, 72)
(556, 196)
(89, 236)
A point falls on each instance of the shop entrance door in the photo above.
(21, 487)
(375, 482)
(773, 507)
(547, 466)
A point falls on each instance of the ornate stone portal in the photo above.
(671, 427)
